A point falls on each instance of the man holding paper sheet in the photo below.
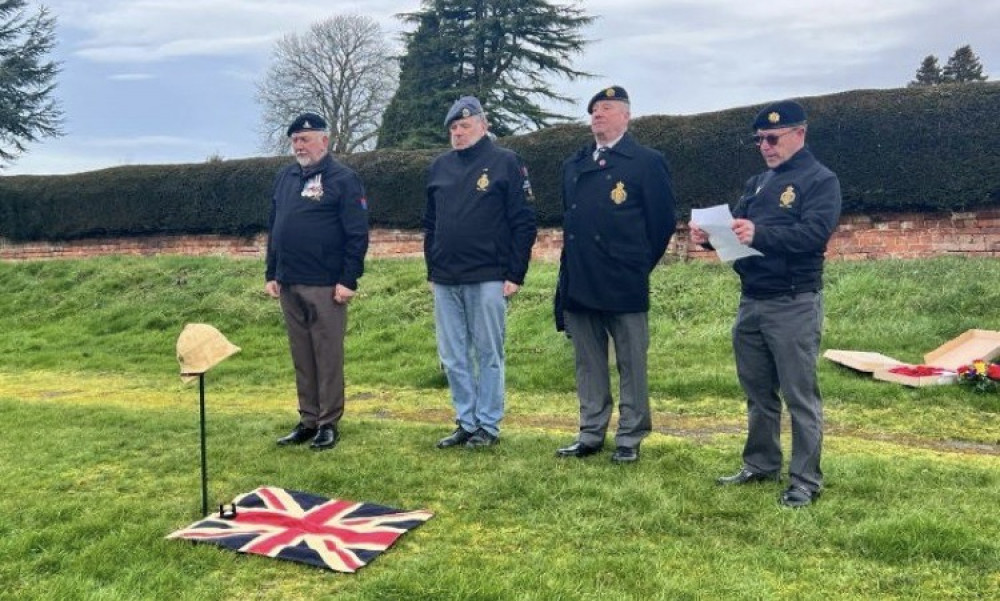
(788, 214)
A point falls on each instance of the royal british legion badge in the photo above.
(619, 195)
(787, 198)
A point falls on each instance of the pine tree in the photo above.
(929, 73)
(414, 117)
(27, 110)
(501, 51)
(963, 67)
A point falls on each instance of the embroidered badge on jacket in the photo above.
(787, 198)
(529, 195)
(619, 195)
(313, 189)
(483, 182)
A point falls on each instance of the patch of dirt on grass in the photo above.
(698, 429)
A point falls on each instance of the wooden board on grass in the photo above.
(861, 360)
(966, 348)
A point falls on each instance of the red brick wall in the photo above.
(901, 235)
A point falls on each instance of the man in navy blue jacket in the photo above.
(618, 217)
(788, 213)
(318, 237)
(478, 234)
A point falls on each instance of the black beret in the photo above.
(780, 114)
(466, 106)
(307, 122)
(612, 93)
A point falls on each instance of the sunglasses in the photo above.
(771, 139)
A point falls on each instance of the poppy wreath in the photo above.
(981, 375)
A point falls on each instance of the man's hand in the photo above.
(744, 230)
(510, 289)
(696, 235)
(273, 289)
(342, 294)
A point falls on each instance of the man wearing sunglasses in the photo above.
(788, 213)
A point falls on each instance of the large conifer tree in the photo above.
(501, 51)
(27, 110)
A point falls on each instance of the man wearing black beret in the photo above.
(788, 213)
(318, 237)
(478, 232)
(618, 217)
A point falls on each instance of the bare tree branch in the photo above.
(342, 68)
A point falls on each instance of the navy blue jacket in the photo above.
(618, 218)
(318, 226)
(478, 225)
(795, 208)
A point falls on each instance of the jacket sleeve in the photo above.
(429, 223)
(661, 220)
(271, 263)
(520, 220)
(354, 219)
(820, 215)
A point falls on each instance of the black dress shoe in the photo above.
(745, 476)
(326, 438)
(625, 455)
(481, 438)
(459, 436)
(577, 449)
(298, 435)
(797, 495)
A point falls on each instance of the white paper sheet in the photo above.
(717, 222)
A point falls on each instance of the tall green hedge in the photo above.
(911, 149)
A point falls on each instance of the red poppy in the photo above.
(993, 371)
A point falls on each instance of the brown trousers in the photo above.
(316, 326)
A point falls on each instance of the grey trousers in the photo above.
(589, 331)
(316, 326)
(776, 343)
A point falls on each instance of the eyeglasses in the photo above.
(771, 139)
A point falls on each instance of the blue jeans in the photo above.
(470, 320)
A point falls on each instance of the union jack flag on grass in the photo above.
(296, 526)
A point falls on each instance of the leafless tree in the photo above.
(342, 68)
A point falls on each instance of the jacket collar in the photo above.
(476, 150)
(625, 147)
(799, 159)
(323, 164)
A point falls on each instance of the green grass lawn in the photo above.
(100, 458)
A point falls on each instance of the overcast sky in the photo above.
(172, 81)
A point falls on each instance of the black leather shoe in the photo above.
(577, 449)
(745, 476)
(798, 496)
(326, 438)
(481, 438)
(459, 436)
(298, 435)
(625, 455)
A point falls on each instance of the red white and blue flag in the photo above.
(296, 526)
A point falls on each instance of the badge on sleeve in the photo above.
(529, 194)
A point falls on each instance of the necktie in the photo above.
(600, 153)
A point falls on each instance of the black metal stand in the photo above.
(204, 461)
